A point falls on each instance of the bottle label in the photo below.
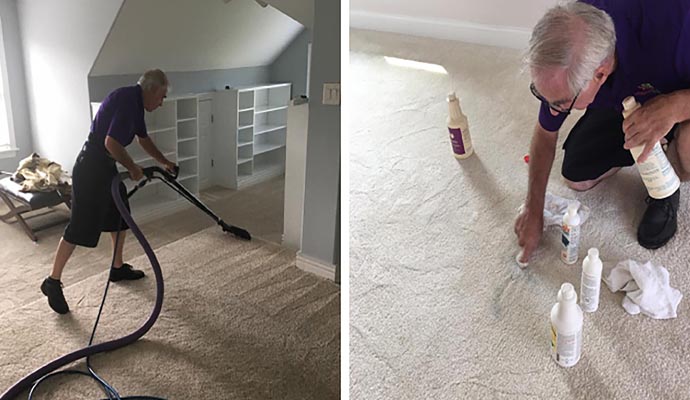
(457, 139)
(589, 293)
(570, 240)
(657, 173)
(566, 349)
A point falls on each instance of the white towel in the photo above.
(647, 289)
(555, 208)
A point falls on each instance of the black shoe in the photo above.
(53, 289)
(125, 273)
(659, 222)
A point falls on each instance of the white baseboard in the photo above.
(492, 35)
(315, 267)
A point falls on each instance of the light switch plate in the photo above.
(331, 93)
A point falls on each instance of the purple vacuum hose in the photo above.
(28, 380)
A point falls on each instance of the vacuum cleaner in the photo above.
(36, 377)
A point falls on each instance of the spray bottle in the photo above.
(566, 328)
(458, 129)
(656, 172)
(570, 234)
(591, 281)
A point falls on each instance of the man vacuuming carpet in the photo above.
(591, 55)
(119, 119)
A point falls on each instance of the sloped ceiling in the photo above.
(194, 35)
(300, 10)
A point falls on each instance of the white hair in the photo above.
(153, 79)
(576, 36)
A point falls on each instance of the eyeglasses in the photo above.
(554, 107)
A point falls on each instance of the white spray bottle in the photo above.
(458, 129)
(566, 328)
(570, 234)
(590, 285)
(657, 173)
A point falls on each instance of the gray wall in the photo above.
(17, 83)
(291, 65)
(184, 82)
(336, 250)
(323, 143)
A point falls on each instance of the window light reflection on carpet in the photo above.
(400, 62)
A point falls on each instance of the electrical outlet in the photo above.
(331, 93)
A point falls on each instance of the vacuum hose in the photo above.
(28, 380)
(171, 180)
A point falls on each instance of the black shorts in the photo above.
(93, 208)
(595, 145)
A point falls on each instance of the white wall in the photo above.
(494, 22)
(61, 40)
(194, 35)
(295, 173)
(16, 84)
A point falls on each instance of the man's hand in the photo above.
(136, 173)
(529, 228)
(650, 123)
(169, 166)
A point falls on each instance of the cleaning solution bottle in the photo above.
(458, 129)
(657, 173)
(591, 281)
(566, 328)
(570, 234)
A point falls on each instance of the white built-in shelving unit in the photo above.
(249, 134)
(247, 143)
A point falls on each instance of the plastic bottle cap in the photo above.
(567, 293)
(593, 253)
(521, 264)
(572, 208)
(629, 103)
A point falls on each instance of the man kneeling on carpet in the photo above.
(591, 54)
(119, 118)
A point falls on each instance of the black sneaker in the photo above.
(125, 273)
(659, 222)
(53, 289)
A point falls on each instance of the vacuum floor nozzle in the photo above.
(239, 232)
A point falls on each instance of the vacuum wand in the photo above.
(171, 180)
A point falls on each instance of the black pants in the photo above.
(93, 208)
(595, 145)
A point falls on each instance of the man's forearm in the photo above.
(542, 152)
(148, 146)
(118, 152)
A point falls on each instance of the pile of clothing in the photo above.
(37, 174)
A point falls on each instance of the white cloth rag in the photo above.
(647, 289)
(555, 208)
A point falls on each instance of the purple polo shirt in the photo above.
(653, 50)
(121, 116)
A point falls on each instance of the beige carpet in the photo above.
(438, 308)
(258, 208)
(239, 321)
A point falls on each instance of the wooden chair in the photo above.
(9, 192)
